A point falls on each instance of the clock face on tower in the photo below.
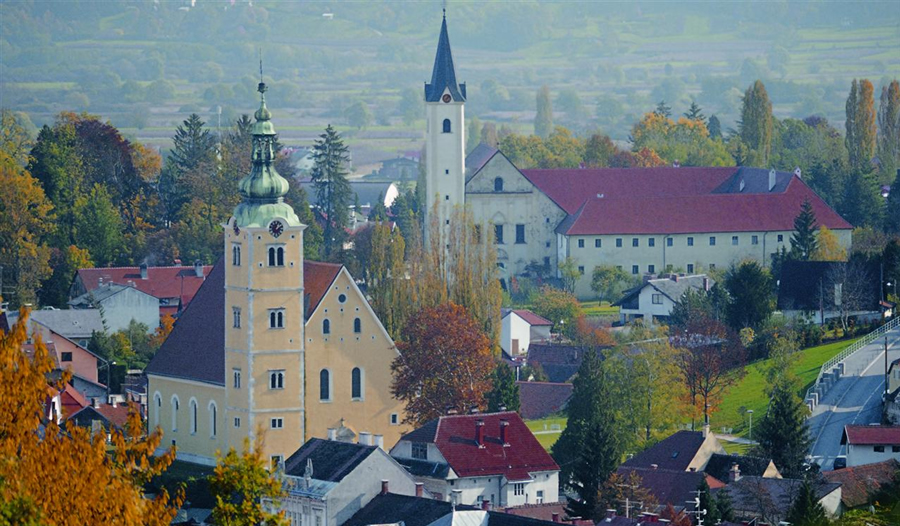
(276, 228)
(446, 97)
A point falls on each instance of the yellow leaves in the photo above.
(245, 489)
(829, 247)
(67, 474)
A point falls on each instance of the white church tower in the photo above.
(445, 136)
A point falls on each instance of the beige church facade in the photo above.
(272, 346)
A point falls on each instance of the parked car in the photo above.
(840, 462)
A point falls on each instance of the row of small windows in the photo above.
(212, 411)
(276, 321)
(356, 384)
(275, 254)
(651, 242)
(498, 234)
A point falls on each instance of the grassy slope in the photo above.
(750, 391)
(547, 439)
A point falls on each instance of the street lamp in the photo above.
(750, 412)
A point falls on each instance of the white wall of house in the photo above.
(651, 302)
(130, 304)
(860, 454)
(539, 333)
(831, 503)
(543, 488)
(403, 449)
(514, 330)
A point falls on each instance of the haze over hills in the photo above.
(146, 65)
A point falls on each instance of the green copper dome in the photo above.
(263, 189)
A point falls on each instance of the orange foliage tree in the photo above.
(245, 489)
(55, 476)
(445, 363)
(166, 324)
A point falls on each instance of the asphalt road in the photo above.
(854, 399)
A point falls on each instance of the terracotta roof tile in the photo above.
(317, 277)
(871, 435)
(860, 483)
(161, 282)
(532, 318)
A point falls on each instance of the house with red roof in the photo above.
(520, 327)
(469, 459)
(870, 444)
(642, 220)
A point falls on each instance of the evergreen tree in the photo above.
(714, 127)
(782, 433)
(806, 510)
(892, 215)
(862, 204)
(312, 236)
(695, 112)
(193, 151)
(543, 119)
(588, 450)
(98, 227)
(663, 109)
(860, 125)
(708, 503)
(724, 508)
(504, 391)
(752, 296)
(757, 124)
(333, 192)
(889, 128)
(379, 211)
(803, 240)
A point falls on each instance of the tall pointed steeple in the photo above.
(263, 189)
(443, 76)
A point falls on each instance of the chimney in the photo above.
(332, 433)
(654, 466)
(95, 402)
(198, 269)
(473, 410)
(610, 514)
(798, 173)
(485, 505)
(555, 517)
(705, 429)
(112, 400)
(504, 429)
(741, 189)
(378, 441)
(479, 433)
(307, 473)
(734, 474)
(452, 411)
(420, 489)
(365, 438)
(676, 164)
(143, 271)
(675, 277)
(706, 284)
(771, 179)
(384, 487)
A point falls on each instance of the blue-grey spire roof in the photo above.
(443, 76)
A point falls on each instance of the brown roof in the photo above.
(532, 318)
(161, 282)
(195, 350)
(860, 483)
(542, 399)
(674, 452)
(542, 512)
(28, 349)
(871, 435)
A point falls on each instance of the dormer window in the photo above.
(498, 184)
(420, 451)
(447, 126)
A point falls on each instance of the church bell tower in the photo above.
(445, 142)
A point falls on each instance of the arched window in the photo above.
(174, 413)
(271, 256)
(356, 383)
(213, 424)
(276, 319)
(236, 255)
(498, 184)
(326, 326)
(157, 408)
(446, 125)
(193, 416)
(357, 325)
(324, 385)
(280, 256)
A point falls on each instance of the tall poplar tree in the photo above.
(333, 192)
(782, 433)
(803, 240)
(892, 215)
(860, 125)
(543, 119)
(889, 127)
(757, 123)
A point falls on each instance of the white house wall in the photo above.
(363, 483)
(513, 327)
(130, 304)
(858, 455)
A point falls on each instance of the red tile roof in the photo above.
(860, 483)
(871, 435)
(317, 277)
(542, 512)
(72, 401)
(454, 437)
(161, 282)
(532, 318)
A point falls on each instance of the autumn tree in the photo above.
(25, 219)
(445, 362)
(710, 359)
(504, 392)
(860, 126)
(609, 282)
(628, 489)
(803, 240)
(68, 477)
(889, 128)
(829, 247)
(166, 324)
(333, 192)
(560, 307)
(756, 124)
(675, 517)
(15, 137)
(685, 140)
(385, 276)
(65, 262)
(543, 120)
(245, 489)
(98, 227)
(599, 150)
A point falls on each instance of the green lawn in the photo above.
(596, 308)
(750, 393)
(544, 430)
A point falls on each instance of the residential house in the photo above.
(492, 456)
(654, 300)
(74, 325)
(870, 444)
(84, 364)
(770, 499)
(119, 305)
(891, 407)
(559, 362)
(326, 481)
(727, 467)
(271, 340)
(174, 286)
(542, 399)
(681, 451)
(860, 485)
(366, 193)
(98, 415)
(813, 290)
(669, 486)
(520, 327)
(398, 169)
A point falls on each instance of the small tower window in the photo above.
(276, 379)
(498, 184)
(326, 326)
(356, 383)
(446, 125)
(276, 319)
(324, 385)
(276, 256)
(236, 317)
(236, 255)
(357, 325)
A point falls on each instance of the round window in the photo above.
(342, 298)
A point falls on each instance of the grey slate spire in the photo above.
(443, 76)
